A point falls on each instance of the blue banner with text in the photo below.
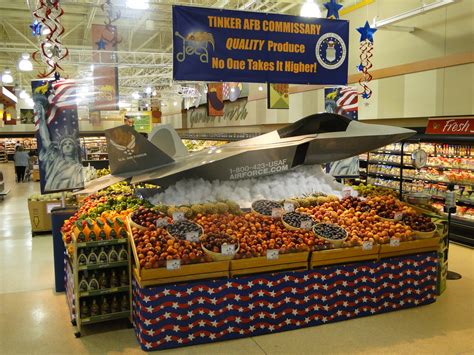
(225, 45)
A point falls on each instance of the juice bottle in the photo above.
(99, 229)
(114, 305)
(82, 258)
(113, 255)
(103, 282)
(114, 281)
(104, 307)
(123, 254)
(112, 234)
(95, 310)
(124, 278)
(124, 305)
(85, 310)
(94, 283)
(102, 257)
(90, 226)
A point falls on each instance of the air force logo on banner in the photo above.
(195, 43)
(331, 51)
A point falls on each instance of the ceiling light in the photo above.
(29, 101)
(260, 88)
(24, 95)
(138, 4)
(154, 93)
(148, 90)
(25, 63)
(310, 9)
(7, 77)
(135, 95)
(175, 103)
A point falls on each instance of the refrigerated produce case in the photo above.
(450, 162)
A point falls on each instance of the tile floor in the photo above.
(34, 319)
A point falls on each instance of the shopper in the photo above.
(21, 162)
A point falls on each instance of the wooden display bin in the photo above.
(411, 247)
(35, 175)
(343, 256)
(290, 261)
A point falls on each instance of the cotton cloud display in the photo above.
(297, 182)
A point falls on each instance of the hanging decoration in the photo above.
(51, 52)
(35, 28)
(112, 14)
(333, 9)
(366, 47)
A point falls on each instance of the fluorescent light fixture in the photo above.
(175, 103)
(260, 88)
(25, 63)
(310, 9)
(29, 101)
(148, 90)
(154, 93)
(135, 95)
(7, 77)
(138, 4)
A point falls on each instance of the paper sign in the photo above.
(394, 242)
(398, 216)
(306, 224)
(162, 222)
(228, 249)
(346, 192)
(288, 207)
(367, 245)
(192, 236)
(277, 213)
(272, 254)
(173, 264)
(355, 193)
(178, 216)
(50, 206)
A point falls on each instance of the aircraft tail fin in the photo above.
(130, 152)
(166, 138)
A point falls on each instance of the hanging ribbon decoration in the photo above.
(112, 14)
(366, 47)
(52, 51)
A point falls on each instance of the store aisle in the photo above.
(34, 319)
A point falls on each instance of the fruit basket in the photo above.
(296, 221)
(228, 246)
(185, 230)
(265, 207)
(330, 232)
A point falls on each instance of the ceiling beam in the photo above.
(20, 34)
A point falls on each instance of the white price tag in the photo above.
(277, 213)
(173, 264)
(162, 222)
(178, 216)
(394, 242)
(192, 236)
(367, 245)
(306, 225)
(288, 206)
(273, 254)
(346, 192)
(228, 249)
(355, 193)
(398, 216)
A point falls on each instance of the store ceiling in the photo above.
(145, 52)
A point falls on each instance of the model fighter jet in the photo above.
(316, 139)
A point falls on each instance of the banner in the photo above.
(451, 126)
(106, 74)
(278, 96)
(343, 101)
(57, 135)
(240, 46)
(215, 99)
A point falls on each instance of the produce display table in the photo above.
(206, 311)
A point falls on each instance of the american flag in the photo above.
(61, 96)
(225, 91)
(347, 102)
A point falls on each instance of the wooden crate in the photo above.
(290, 261)
(343, 256)
(160, 276)
(411, 247)
(200, 271)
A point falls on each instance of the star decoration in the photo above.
(360, 67)
(35, 28)
(366, 32)
(101, 44)
(333, 9)
(365, 95)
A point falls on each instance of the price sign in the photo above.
(277, 213)
(394, 242)
(162, 222)
(272, 254)
(228, 249)
(173, 264)
(288, 206)
(192, 236)
(306, 225)
(398, 216)
(355, 193)
(367, 245)
(346, 192)
(178, 216)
